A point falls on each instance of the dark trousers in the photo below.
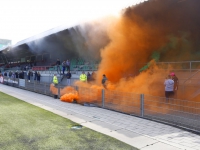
(58, 69)
(56, 95)
(169, 94)
(63, 70)
(68, 68)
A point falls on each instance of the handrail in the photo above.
(191, 76)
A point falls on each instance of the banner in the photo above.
(22, 82)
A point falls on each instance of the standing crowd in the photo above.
(23, 75)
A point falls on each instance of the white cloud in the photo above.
(21, 19)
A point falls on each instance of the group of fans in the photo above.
(22, 75)
(65, 66)
(91, 77)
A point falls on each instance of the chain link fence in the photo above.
(181, 113)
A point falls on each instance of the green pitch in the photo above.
(27, 127)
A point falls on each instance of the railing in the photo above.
(191, 76)
(180, 113)
(174, 66)
(88, 67)
(185, 65)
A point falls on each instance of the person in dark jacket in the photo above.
(16, 75)
(63, 67)
(10, 74)
(38, 76)
(104, 81)
(58, 66)
(176, 83)
(5, 74)
(68, 75)
(88, 76)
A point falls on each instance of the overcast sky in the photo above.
(20, 19)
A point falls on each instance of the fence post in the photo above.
(190, 66)
(102, 97)
(34, 86)
(142, 105)
(58, 91)
(18, 82)
(76, 87)
(45, 90)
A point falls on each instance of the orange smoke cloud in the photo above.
(138, 34)
(69, 94)
(129, 50)
(133, 38)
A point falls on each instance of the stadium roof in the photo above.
(41, 35)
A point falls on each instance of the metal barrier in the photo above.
(177, 112)
(181, 113)
(122, 101)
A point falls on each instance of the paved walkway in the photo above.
(140, 133)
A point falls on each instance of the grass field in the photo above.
(27, 127)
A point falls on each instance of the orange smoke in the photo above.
(69, 97)
(138, 34)
(69, 94)
(135, 36)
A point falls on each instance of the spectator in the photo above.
(5, 74)
(68, 75)
(104, 81)
(93, 76)
(58, 66)
(88, 76)
(35, 76)
(64, 66)
(16, 74)
(38, 76)
(55, 82)
(1, 78)
(175, 79)
(29, 76)
(10, 74)
(83, 77)
(22, 74)
(13, 76)
(68, 65)
(169, 87)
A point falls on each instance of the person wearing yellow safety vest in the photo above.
(83, 77)
(55, 82)
(55, 79)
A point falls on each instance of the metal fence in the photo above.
(181, 113)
